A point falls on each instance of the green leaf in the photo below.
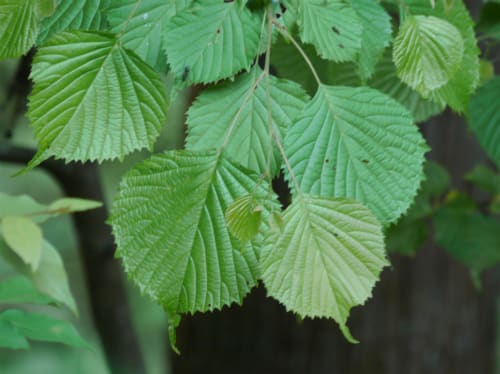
(71, 204)
(24, 237)
(168, 221)
(73, 15)
(332, 26)
(93, 99)
(470, 237)
(410, 232)
(485, 178)
(20, 206)
(211, 40)
(244, 216)
(290, 64)
(407, 236)
(141, 25)
(386, 80)
(10, 337)
(357, 143)
(326, 260)
(50, 278)
(489, 20)
(427, 52)
(19, 290)
(245, 101)
(376, 34)
(456, 93)
(41, 327)
(484, 118)
(19, 24)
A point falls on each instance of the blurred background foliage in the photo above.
(434, 311)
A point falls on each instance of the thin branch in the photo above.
(287, 35)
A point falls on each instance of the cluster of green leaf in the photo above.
(44, 279)
(196, 229)
(465, 229)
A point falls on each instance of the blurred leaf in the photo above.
(489, 20)
(410, 232)
(486, 70)
(485, 178)
(41, 327)
(10, 337)
(67, 205)
(50, 277)
(407, 236)
(484, 118)
(470, 237)
(19, 290)
(24, 237)
(20, 206)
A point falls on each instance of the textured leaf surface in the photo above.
(484, 118)
(142, 26)
(73, 15)
(357, 143)
(215, 110)
(41, 327)
(211, 40)
(376, 34)
(427, 52)
(243, 217)
(24, 237)
(326, 260)
(386, 80)
(456, 93)
(92, 99)
(19, 24)
(169, 224)
(332, 26)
